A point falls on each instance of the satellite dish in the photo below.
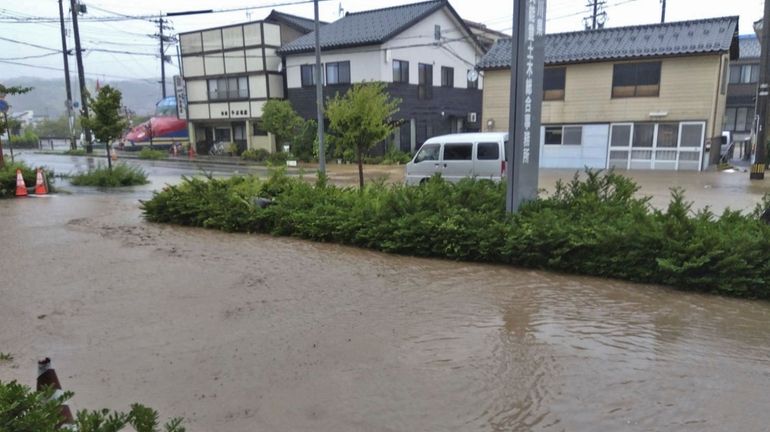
(473, 75)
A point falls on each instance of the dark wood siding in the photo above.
(454, 103)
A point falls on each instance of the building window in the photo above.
(401, 71)
(473, 84)
(739, 119)
(447, 77)
(258, 129)
(744, 74)
(308, 75)
(425, 85)
(636, 79)
(338, 73)
(228, 88)
(563, 135)
(668, 135)
(643, 134)
(553, 83)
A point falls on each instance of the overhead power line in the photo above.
(122, 17)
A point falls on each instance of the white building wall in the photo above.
(592, 153)
(454, 41)
(374, 63)
(364, 66)
(272, 34)
(196, 91)
(193, 66)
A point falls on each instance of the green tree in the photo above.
(280, 119)
(56, 127)
(106, 120)
(13, 90)
(362, 118)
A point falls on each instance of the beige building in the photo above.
(230, 72)
(643, 97)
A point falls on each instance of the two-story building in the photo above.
(741, 95)
(230, 72)
(424, 52)
(641, 97)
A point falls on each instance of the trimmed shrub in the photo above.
(595, 225)
(152, 154)
(121, 175)
(256, 155)
(26, 140)
(76, 152)
(22, 409)
(277, 158)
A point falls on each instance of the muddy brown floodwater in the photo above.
(254, 333)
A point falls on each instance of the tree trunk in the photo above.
(2, 159)
(360, 167)
(109, 157)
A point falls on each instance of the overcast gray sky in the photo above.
(141, 62)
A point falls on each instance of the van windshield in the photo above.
(428, 152)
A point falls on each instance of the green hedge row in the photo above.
(594, 225)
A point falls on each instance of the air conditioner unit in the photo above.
(472, 117)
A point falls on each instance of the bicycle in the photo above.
(217, 149)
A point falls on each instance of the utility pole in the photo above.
(598, 16)
(81, 74)
(760, 155)
(319, 94)
(65, 52)
(162, 25)
(663, 12)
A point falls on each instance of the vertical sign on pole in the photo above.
(181, 97)
(523, 147)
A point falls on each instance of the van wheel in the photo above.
(423, 181)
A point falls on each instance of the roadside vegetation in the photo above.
(76, 152)
(22, 409)
(151, 154)
(119, 176)
(8, 178)
(593, 225)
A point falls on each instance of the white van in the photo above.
(457, 156)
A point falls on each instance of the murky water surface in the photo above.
(248, 332)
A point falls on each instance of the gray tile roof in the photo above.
(750, 46)
(305, 25)
(365, 28)
(655, 40)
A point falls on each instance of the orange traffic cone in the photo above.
(40, 187)
(21, 188)
(113, 154)
(191, 153)
(46, 377)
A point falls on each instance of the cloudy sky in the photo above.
(134, 53)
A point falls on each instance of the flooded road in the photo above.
(250, 332)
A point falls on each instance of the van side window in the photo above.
(428, 152)
(488, 151)
(458, 152)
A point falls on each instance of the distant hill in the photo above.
(48, 95)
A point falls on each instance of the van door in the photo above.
(426, 163)
(488, 161)
(457, 161)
